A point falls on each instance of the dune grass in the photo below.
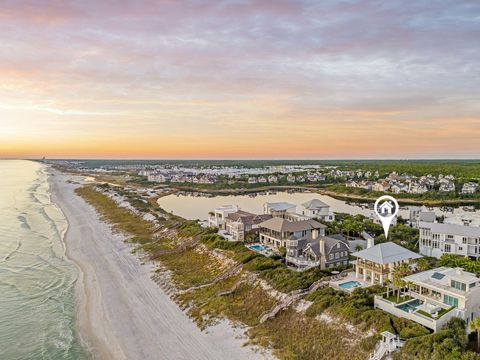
(292, 335)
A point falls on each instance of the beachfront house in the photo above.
(240, 223)
(375, 264)
(438, 295)
(305, 243)
(310, 251)
(437, 239)
(217, 217)
(316, 209)
(276, 231)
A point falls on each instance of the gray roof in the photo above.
(315, 244)
(280, 206)
(451, 229)
(314, 204)
(247, 218)
(427, 216)
(238, 215)
(280, 225)
(386, 253)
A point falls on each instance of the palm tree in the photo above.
(423, 265)
(475, 325)
(358, 247)
(399, 272)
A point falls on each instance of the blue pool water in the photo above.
(258, 248)
(411, 305)
(349, 284)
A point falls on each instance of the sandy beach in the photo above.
(121, 312)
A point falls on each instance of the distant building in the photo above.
(159, 178)
(469, 188)
(316, 209)
(437, 239)
(272, 179)
(291, 178)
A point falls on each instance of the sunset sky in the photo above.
(240, 79)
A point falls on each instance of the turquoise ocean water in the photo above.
(37, 315)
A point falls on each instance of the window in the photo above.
(450, 300)
(448, 248)
(460, 248)
(464, 240)
(458, 285)
(331, 257)
(337, 255)
(471, 285)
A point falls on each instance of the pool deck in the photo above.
(350, 277)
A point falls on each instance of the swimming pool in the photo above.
(410, 306)
(257, 247)
(349, 284)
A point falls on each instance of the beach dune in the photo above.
(121, 312)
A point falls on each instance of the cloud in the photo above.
(224, 67)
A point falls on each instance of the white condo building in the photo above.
(437, 239)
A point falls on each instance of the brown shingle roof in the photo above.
(280, 225)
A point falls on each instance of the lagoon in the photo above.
(197, 207)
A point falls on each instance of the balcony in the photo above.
(384, 270)
(301, 262)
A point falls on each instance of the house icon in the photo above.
(386, 209)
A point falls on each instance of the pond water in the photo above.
(197, 207)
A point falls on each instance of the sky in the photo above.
(242, 79)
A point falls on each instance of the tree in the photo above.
(422, 264)
(475, 325)
(399, 272)
(358, 247)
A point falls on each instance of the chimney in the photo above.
(370, 242)
(323, 255)
(314, 234)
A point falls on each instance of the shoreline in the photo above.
(121, 312)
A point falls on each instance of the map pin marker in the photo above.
(386, 208)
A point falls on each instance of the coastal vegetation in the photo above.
(329, 324)
(448, 343)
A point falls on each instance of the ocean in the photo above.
(37, 312)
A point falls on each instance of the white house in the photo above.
(272, 179)
(219, 214)
(437, 239)
(316, 209)
(469, 188)
(438, 295)
(291, 178)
